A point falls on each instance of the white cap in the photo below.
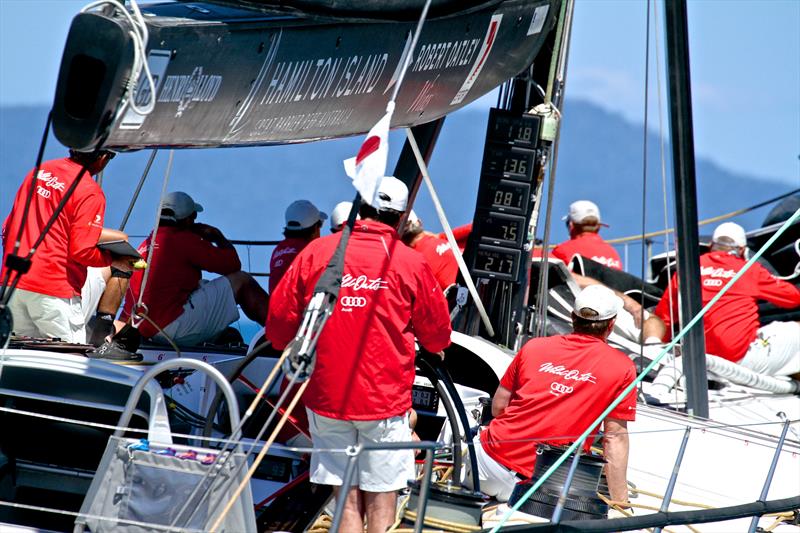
(339, 214)
(392, 194)
(730, 234)
(181, 205)
(581, 210)
(412, 217)
(599, 299)
(302, 214)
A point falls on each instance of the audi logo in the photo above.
(560, 388)
(353, 301)
(712, 282)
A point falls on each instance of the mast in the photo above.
(680, 97)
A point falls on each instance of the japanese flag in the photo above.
(369, 166)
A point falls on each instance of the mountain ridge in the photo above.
(245, 190)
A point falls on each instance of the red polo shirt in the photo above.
(364, 368)
(559, 386)
(439, 255)
(589, 245)
(282, 257)
(59, 265)
(732, 323)
(179, 258)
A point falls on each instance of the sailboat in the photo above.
(242, 73)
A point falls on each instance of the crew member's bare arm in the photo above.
(654, 327)
(615, 448)
(500, 401)
(109, 235)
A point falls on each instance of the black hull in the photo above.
(233, 77)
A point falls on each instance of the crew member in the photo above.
(303, 223)
(731, 326)
(360, 389)
(583, 223)
(339, 216)
(437, 252)
(179, 305)
(47, 301)
(558, 386)
(461, 235)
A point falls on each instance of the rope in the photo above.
(246, 481)
(617, 506)
(140, 35)
(443, 524)
(647, 369)
(711, 220)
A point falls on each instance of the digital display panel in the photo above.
(505, 195)
(510, 128)
(424, 399)
(274, 468)
(497, 263)
(508, 162)
(500, 228)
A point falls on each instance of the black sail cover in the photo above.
(232, 76)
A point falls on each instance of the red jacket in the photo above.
(59, 265)
(365, 356)
(732, 323)
(589, 245)
(461, 235)
(439, 255)
(179, 258)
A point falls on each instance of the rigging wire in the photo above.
(663, 149)
(138, 190)
(644, 186)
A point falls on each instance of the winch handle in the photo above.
(157, 425)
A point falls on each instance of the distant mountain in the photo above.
(245, 190)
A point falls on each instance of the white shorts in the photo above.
(209, 310)
(378, 471)
(776, 350)
(40, 315)
(495, 479)
(92, 291)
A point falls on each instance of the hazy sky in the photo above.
(745, 58)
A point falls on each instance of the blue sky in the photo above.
(745, 58)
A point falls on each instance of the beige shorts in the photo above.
(495, 479)
(776, 350)
(378, 470)
(209, 310)
(40, 315)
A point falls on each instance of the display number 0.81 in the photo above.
(504, 198)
